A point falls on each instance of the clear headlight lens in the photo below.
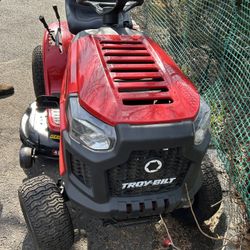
(202, 122)
(87, 130)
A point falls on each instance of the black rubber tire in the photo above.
(25, 157)
(37, 71)
(46, 214)
(209, 194)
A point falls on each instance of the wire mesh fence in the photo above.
(210, 41)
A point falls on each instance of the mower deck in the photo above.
(34, 132)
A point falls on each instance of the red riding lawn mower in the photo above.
(128, 128)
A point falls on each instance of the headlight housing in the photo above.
(88, 131)
(202, 122)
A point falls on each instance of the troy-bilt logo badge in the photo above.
(153, 166)
(140, 184)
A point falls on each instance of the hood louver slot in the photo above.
(133, 68)
(146, 102)
(135, 74)
(124, 52)
(129, 60)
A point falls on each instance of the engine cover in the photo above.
(129, 79)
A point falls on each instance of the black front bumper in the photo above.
(87, 182)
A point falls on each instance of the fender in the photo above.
(54, 62)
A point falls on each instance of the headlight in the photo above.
(87, 130)
(202, 122)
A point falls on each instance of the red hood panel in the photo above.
(124, 79)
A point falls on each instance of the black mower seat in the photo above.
(81, 17)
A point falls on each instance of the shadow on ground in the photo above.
(90, 233)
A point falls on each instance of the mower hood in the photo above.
(131, 80)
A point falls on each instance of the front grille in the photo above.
(80, 170)
(174, 166)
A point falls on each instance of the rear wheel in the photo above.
(46, 214)
(207, 200)
(37, 71)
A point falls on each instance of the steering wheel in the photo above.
(103, 8)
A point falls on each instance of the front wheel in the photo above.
(46, 214)
(207, 200)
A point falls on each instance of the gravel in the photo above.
(20, 32)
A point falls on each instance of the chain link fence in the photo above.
(210, 41)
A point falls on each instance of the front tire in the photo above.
(209, 194)
(46, 214)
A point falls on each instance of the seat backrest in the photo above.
(81, 17)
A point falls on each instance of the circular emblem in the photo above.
(153, 166)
